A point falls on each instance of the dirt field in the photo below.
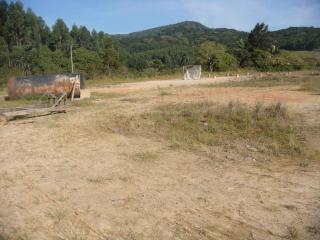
(66, 177)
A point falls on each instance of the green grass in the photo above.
(164, 92)
(311, 84)
(4, 237)
(307, 82)
(15, 103)
(146, 156)
(28, 102)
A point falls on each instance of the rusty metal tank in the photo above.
(20, 87)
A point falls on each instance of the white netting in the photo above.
(192, 72)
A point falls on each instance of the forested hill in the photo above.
(298, 38)
(191, 33)
(181, 34)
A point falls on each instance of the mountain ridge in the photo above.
(192, 32)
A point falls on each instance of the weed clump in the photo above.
(205, 124)
(146, 156)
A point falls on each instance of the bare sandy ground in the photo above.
(59, 179)
(129, 87)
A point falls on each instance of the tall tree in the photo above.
(81, 36)
(84, 37)
(95, 41)
(259, 38)
(44, 32)
(14, 26)
(60, 35)
(242, 54)
(74, 33)
(109, 55)
(32, 29)
(4, 53)
(3, 15)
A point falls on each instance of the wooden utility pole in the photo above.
(71, 58)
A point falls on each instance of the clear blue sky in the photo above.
(124, 16)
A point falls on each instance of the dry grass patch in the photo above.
(131, 77)
(70, 232)
(95, 96)
(25, 102)
(308, 82)
(145, 156)
(4, 237)
(99, 95)
(57, 215)
(98, 179)
(312, 84)
(269, 128)
(292, 233)
(164, 92)
(192, 126)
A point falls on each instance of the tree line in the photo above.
(28, 46)
(257, 50)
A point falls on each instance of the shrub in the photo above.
(213, 56)
(87, 62)
(262, 60)
(288, 61)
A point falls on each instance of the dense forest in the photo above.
(29, 46)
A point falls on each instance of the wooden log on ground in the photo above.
(31, 113)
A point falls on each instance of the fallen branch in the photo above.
(31, 113)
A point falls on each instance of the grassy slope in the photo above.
(308, 82)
